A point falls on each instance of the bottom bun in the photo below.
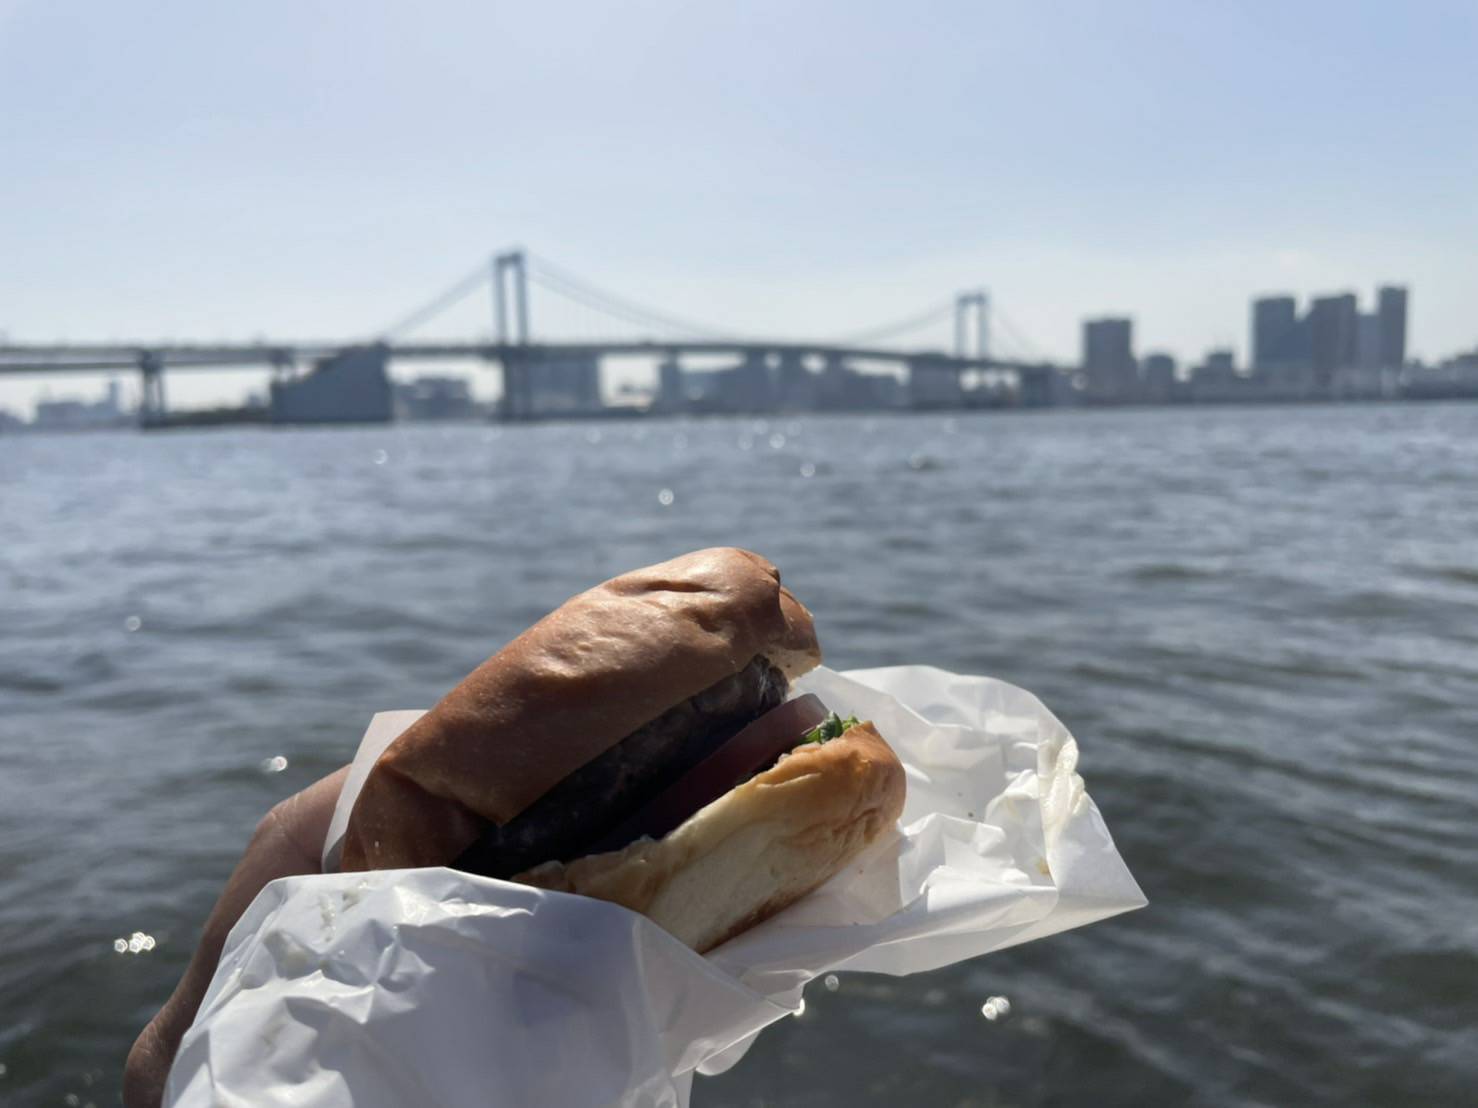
(756, 849)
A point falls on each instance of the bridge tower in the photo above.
(510, 275)
(978, 304)
(511, 282)
(152, 408)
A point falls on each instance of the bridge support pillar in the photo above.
(152, 408)
(518, 392)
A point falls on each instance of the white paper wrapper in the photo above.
(433, 987)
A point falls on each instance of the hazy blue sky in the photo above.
(316, 169)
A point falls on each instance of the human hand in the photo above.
(287, 842)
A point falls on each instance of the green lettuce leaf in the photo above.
(829, 728)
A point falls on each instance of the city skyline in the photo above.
(1125, 367)
(780, 170)
(1332, 351)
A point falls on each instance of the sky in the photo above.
(302, 169)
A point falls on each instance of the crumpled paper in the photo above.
(434, 987)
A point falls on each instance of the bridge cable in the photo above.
(606, 304)
(591, 306)
(1023, 343)
(897, 327)
(452, 296)
(560, 280)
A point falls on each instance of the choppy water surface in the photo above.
(1262, 625)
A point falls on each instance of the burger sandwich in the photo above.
(640, 745)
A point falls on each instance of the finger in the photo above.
(286, 843)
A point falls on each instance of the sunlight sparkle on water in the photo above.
(996, 1007)
(137, 943)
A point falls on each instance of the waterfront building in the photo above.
(1285, 381)
(1108, 360)
(1333, 323)
(672, 395)
(797, 386)
(934, 384)
(746, 387)
(1455, 378)
(840, 388)
(351, 387)
(835, 389)
(1046, 389)
(700, 387)
(1391, 310)
(568, 385)
(435, 398)
(883, 390)
(1369, 341)
(1159, 377)
(1275, 332)
(1216, 379)
(73, 414)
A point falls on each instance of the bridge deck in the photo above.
(105, 357)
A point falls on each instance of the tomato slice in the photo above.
(753, 748)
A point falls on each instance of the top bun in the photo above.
(565, 691)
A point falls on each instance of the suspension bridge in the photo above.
(581, 324)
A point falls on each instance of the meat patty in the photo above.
(562, 823)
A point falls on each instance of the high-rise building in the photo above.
(1159, 377)
(1369, 341)
(1391, 310)
(1275, 331)
(1108, 359)
(1333, 323)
